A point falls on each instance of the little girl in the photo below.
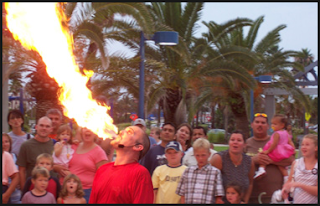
(71, 191)
(279, 147)
(233, 193)
(62, 149)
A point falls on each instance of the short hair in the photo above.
(10, 140)
(15, 113)
(239, 132)
(44, 155)
(314, 138)
(54, 111)
(283, 119)
(172, 124)
(39, 171)
(236, 186)
(62, 128)
(64, 192)
(201, 143)
(203, 129)
(145, 143)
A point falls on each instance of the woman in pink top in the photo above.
(86, 160)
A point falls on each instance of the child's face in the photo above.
(46, 163)
(276, 124)
(232, 196)
(65, 136)
(41, 183)
(173, 156)
(72, 186)
(202, 156)
(308, 147)
(5, 143)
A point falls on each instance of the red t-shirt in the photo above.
(122, 184)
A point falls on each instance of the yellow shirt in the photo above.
(166, 179)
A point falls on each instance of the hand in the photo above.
(60, 169)
(264, 152)
(262, 159)
(219, 200)
(75, 141)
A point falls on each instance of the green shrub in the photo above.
(217, 138)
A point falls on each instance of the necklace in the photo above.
(237, 162)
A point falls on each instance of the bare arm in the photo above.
(22, 174)
(285, 162)
(58, 148)
(15, 181)
(219, 200)
(216, 161)
(250, 176)
(107, 147)
(183, 200)
(155, 192)
(59, 200)
(60, 169)
(102, 162)
(286, 187)
(274, 143)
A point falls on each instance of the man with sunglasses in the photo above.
(273, 180)
(124, 181)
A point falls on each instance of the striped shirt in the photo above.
(307, 177)
(200, 186)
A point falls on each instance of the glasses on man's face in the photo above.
(260, 115)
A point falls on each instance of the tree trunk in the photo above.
(225, 121)
(238, 109)
(213, 115)
(171, 102)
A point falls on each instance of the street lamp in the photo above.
(161, 38)
(264, 79)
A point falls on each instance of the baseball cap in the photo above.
(173, 145)
(139, 121)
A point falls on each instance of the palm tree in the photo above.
(171, 90)
(239, 51)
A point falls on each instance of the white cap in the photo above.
(139, 121)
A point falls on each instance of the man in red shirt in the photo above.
(124, 181)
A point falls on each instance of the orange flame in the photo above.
(38, 27)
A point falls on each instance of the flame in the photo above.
(38, 27)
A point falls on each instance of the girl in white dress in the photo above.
(62, 149)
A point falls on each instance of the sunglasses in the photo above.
(260, 115)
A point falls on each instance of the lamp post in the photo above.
(161, 38)
(264, 79)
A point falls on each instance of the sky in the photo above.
(301, 20)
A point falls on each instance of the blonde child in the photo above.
(303, 179)
(71, 191)
(234, 193)
(62, 153)
(165, 178)
(44, 160)
(39, 195)
(279, 147)
(202, 183)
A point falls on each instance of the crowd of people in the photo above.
(174, 164)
